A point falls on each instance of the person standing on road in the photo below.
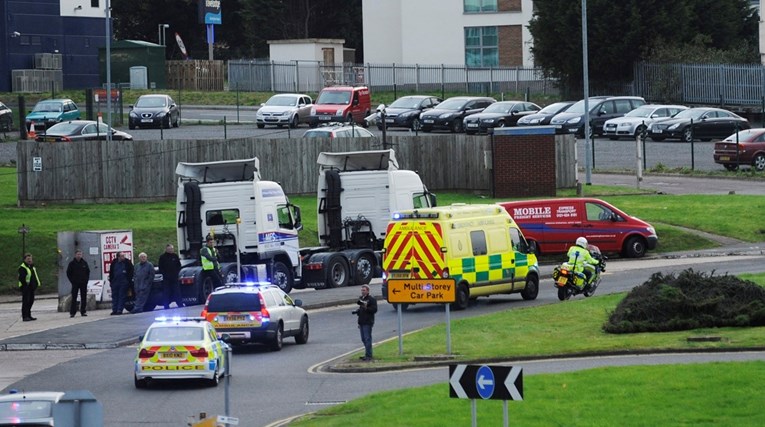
(28, 283)
(144, 277)
(210, 264)
(78, 274)
(120, 277)
(366, 313)
(169, 265)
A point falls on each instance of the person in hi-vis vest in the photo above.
(28, 283)
(210, 265)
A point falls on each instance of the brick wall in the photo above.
(510, 46)
(509, 5)
(524, 165)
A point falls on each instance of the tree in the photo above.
(623, 32)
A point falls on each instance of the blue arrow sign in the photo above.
(484, 382)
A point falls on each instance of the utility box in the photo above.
(99, 248)
(139, 77)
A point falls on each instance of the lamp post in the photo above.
(161, 33)
(107, 13)
(586, 83)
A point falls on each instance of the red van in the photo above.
(341, 104)
(556, 223)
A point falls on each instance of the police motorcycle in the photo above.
(569, 282)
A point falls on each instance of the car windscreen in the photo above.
(498, 107)
(175, 333)
(406, 102)
(282, 101)
(640, 112)
(334, 97)
(553, 108)
(744, 135)
(12, 413)
(318, 134)
(452, 104)
(54, 107)
(150, 102)
(239, 301)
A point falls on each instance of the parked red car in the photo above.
(750, 150)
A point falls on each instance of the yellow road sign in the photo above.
(421, 291)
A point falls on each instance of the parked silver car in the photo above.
(637, 120)
(284, 109)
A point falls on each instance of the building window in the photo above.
(481, 47)
(94, 3)
(479, 6)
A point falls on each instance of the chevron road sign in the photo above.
(486, 382)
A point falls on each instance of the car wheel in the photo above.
(295, 121)
(365, 269)
(278, 341)
(759, 162)
(634, 247)
(731, 167)
(639, 131)
(261, 126)
(531, 290)
(337, 272)
(166, 123)
(462, 299)
(688, 134)
(177, 122)
(282, 277)
(215, 380)
(416, 124)
(302, 336)
(349, 118)
(364, 123)
(139, 383)
(457, 126)
(501, 124)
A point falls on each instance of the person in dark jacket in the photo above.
(28, 283)
(142, 281)
(366, 313)
(78, 274)
(169, 265)
(120, 277)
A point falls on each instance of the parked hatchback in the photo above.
(405, 111)
(740, 149)
(51, 111)
(155, 110)
(602, 108)
(6, 118)
(254, 313)
(338, 130)
(284, 109)
(636, 121)
(499, 115)
(449, 114)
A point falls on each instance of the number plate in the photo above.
(400, 275)
(325, 118)
(657, 131)
(472, 125)
(562, 280)
(427, 121)
(235, 318)
(146, 120)
(388, 120)
(725, 158)
(50, 139)
(172, 355)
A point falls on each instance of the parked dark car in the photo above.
(750, 150)
(80, 130)
(499, 115)
(154, 111)
(6, 118)
(602, 108)
(449, 114)
(405, 111)
(543, 116)
(707, 124)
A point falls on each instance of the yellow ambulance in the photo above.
(479, 246)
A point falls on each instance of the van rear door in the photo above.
(413, 250)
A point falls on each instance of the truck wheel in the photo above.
(365, 269)
(635, 247)
(462, 299)
(337, 272)
(282, 277)
(205, 290)
(531, 290)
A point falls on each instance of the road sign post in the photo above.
(415, 291)
(486, 382)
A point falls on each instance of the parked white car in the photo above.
(284, 109)
(633, 123)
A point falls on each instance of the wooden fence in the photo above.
(195, 75)
(124, 171)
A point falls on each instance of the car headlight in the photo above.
(574, 121)
(162, 114)
(651, 230)
(408, 114)
(313, 111)
(258, 114)
(133, 114)
(534, 121)
(445, 116)
(285, 113)
(624, 125)
(675, 126)
(339, 112)
(489, 121)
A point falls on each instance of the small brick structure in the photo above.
(524, 162)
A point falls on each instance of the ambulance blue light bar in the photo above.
(414, 215)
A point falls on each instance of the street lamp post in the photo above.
(161, 33)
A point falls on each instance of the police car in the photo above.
(28, 408)
(256, 313)
(180, 348)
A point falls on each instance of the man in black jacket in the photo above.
(366, 313)
(169, 265)
(120, 278)
(78, 274)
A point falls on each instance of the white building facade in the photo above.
(476, 33)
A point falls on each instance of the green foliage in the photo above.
(688, 300)
(623, 32)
